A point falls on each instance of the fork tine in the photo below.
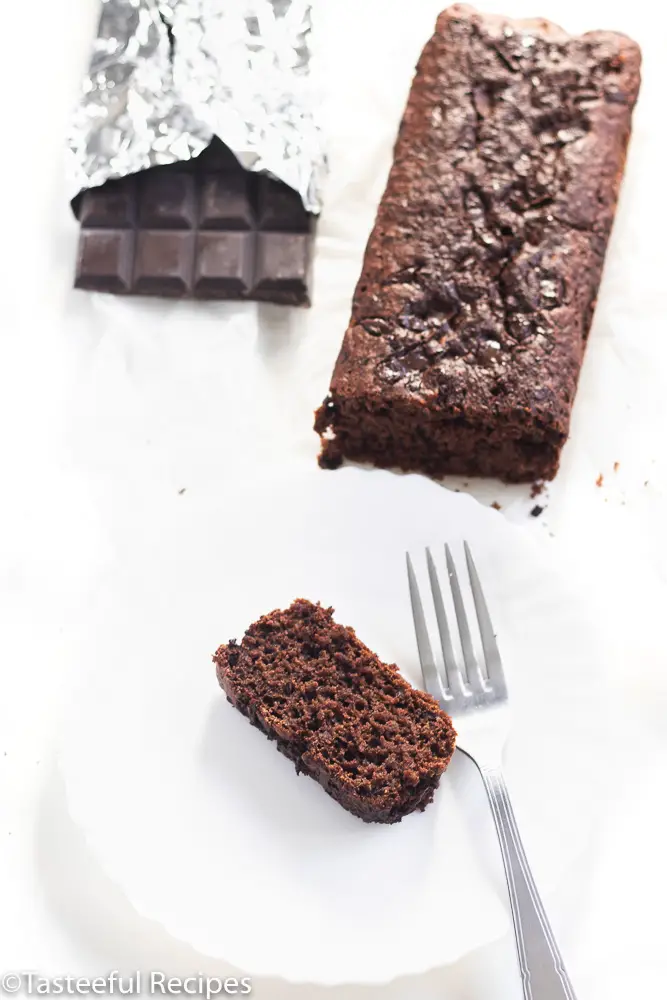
(475, 679)
(494, 667)
(453, 675)
(426, 660)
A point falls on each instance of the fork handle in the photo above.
(543, 974)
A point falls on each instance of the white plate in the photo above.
(208, 829)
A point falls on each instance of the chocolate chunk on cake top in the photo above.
(480, 277)
(351, 722)
(205, 228)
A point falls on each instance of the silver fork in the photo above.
(476, 698)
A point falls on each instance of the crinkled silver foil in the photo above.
(167, 75)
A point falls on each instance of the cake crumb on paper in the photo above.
(617, 466)
(536, 489)
(599, 481)
(496, 505)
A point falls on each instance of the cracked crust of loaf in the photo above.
(480, 278)
(351, 722)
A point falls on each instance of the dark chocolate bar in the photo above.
(205, 228)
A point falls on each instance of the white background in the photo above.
(104, 405)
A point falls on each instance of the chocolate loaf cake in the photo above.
(480, 278)
(373, 742)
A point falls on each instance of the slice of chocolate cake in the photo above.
(372, 741)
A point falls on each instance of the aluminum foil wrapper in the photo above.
(167, 75)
